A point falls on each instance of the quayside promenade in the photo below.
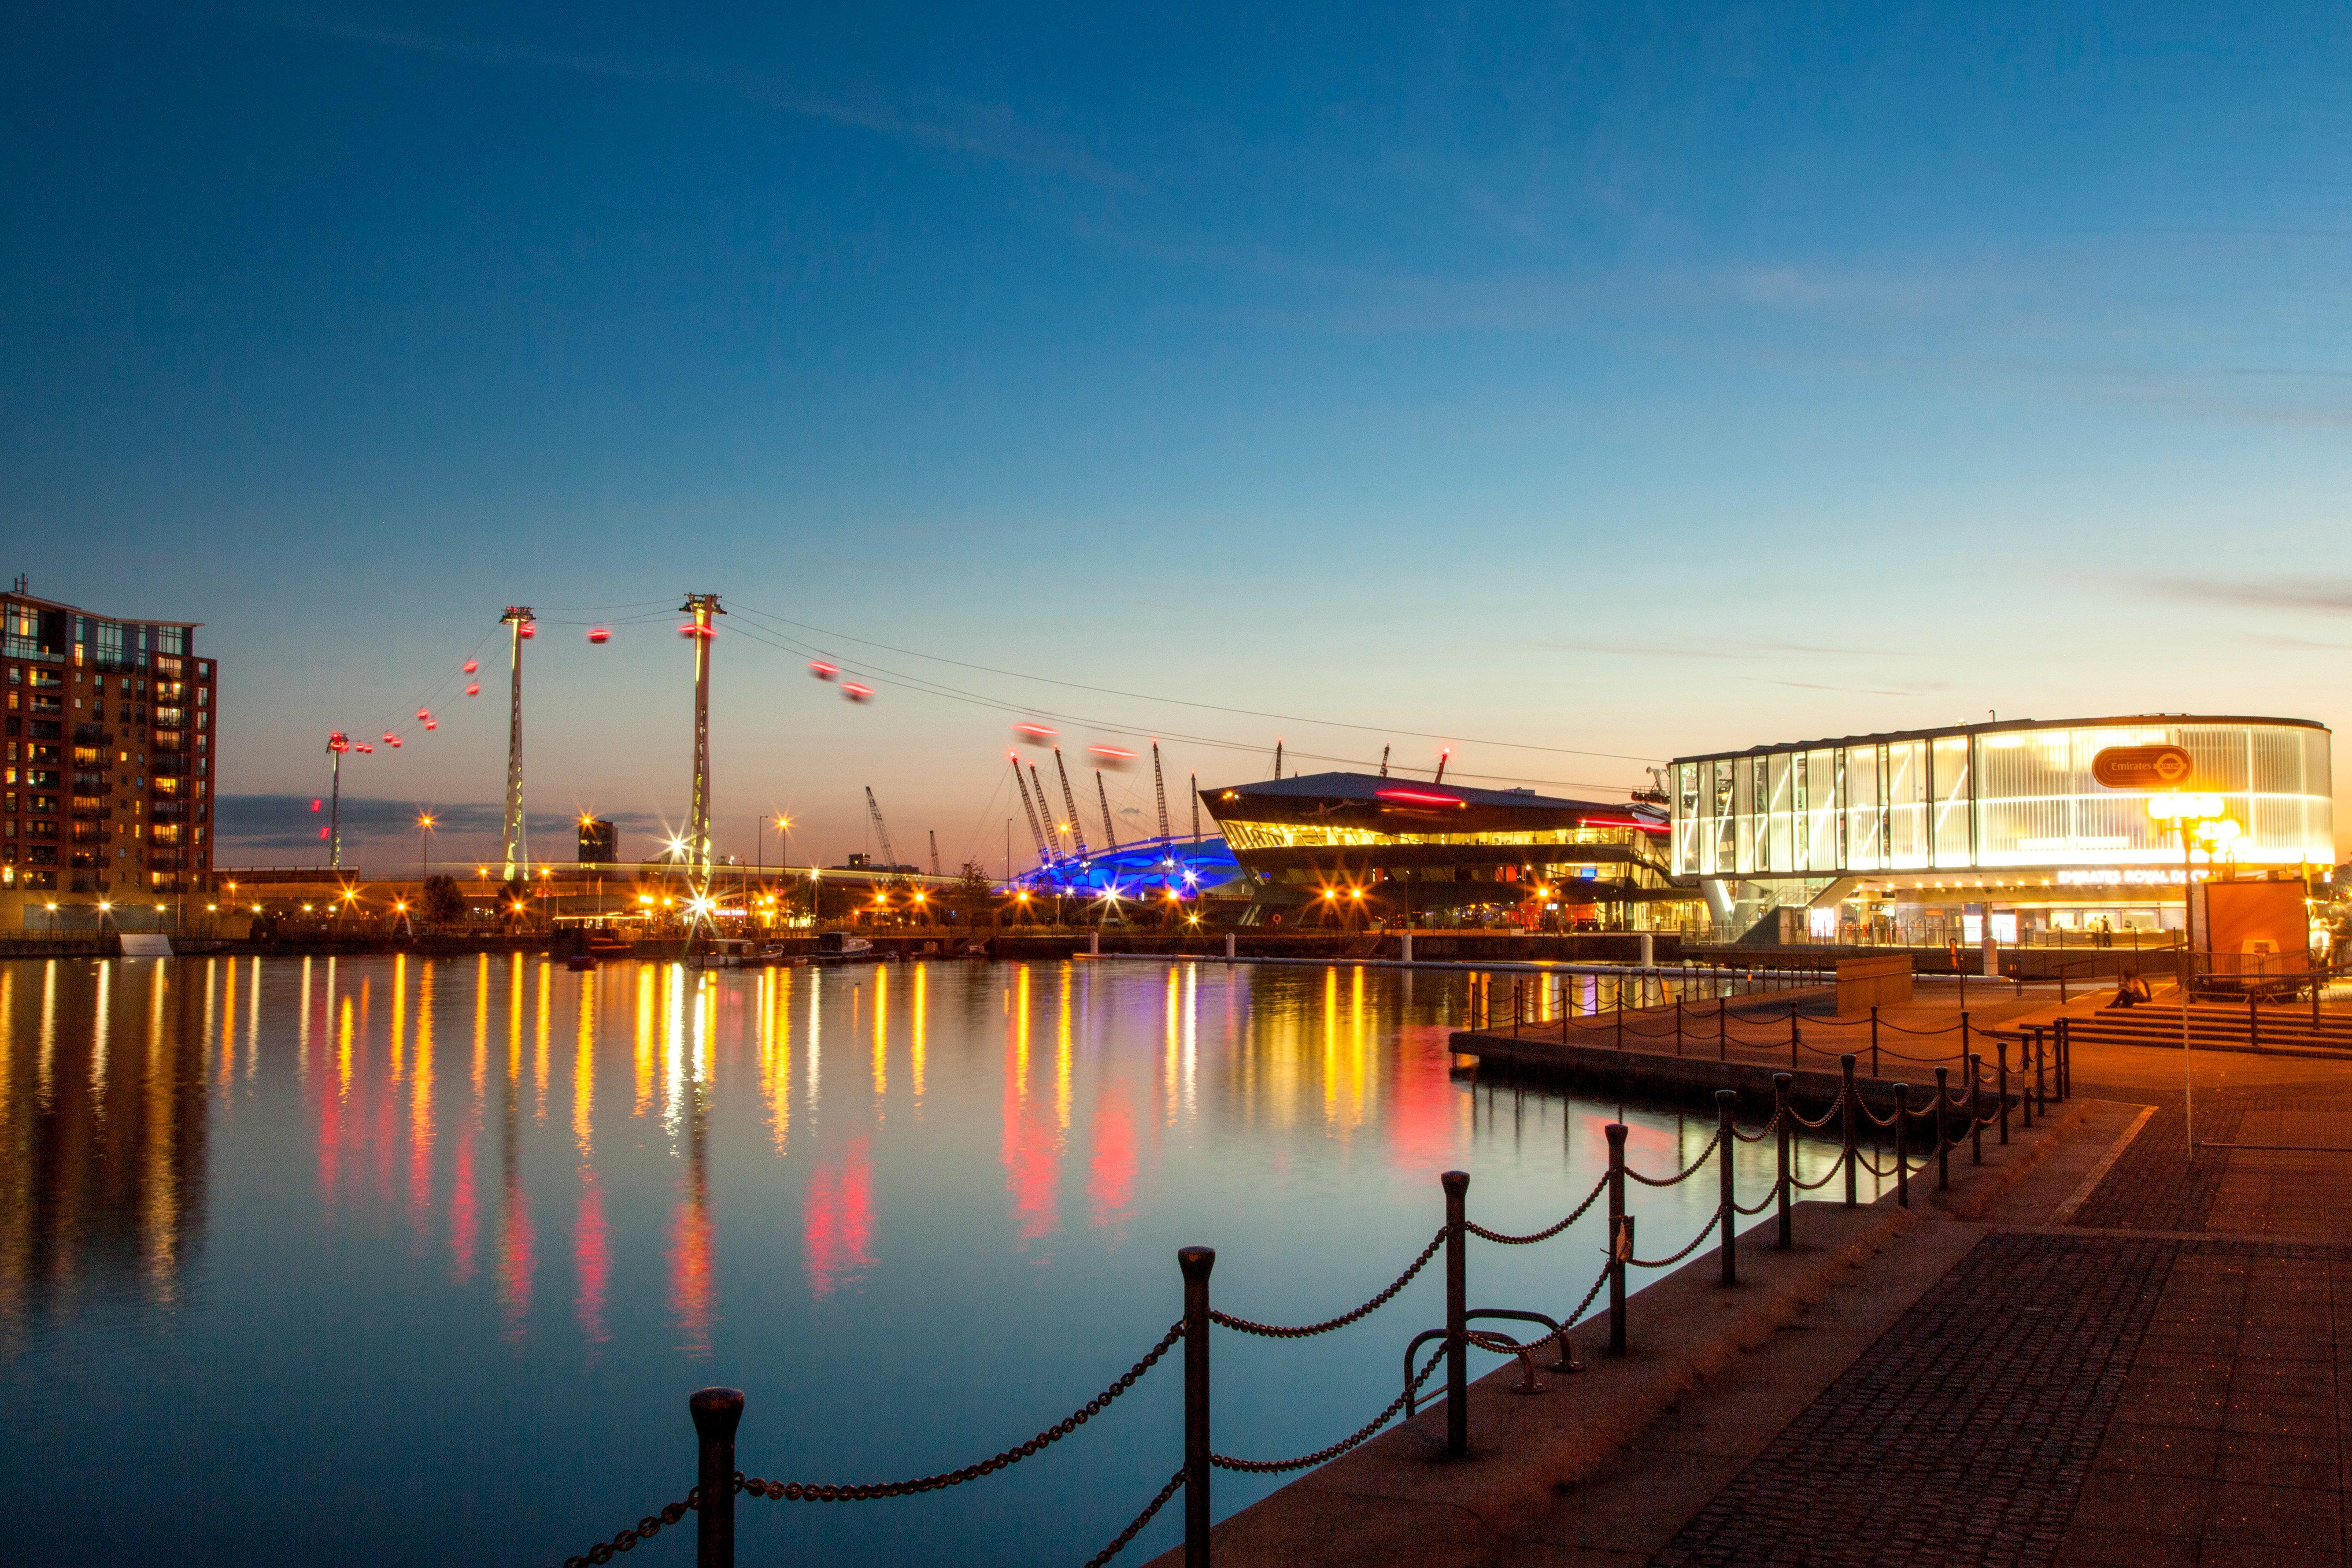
(2095, 1348)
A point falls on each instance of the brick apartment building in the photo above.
(106, 768)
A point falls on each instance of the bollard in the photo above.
(1964, 1031)
(1782, 1119)
(717, 1411)
(1457, 1316)
(1943, 1128)
(1621, 1237)
(2001, 1062)
(1902, 1158)
(1975, 1109)
(1727, 1139)
(1873, 1039)
(1620, 1018)
(2065, 1061)
(1196, 1262)
(1722, 1029)
(1845, 1064)
(1792, 1037)
(1229, 946)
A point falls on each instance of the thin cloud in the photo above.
(994, 132)
(2326, 595)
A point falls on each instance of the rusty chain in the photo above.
(1686, 1173)
(1685, 1252)
(1798, 1117)
(1760, 1134)
(1547, 1232)
(1308, 1331)
(1771, 1195)
(808, 1491)
(645, 1528)
(1320, 1456)
(1118, 1542)
(1835, 1166)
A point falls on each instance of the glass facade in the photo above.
(1986, 797)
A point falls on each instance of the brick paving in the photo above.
(1967, 1433)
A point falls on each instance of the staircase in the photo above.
(2285, 1026)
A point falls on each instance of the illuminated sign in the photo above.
(2142, 767)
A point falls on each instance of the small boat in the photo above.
(724, 952)
(580, 961)
(840, 947)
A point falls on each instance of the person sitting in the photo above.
(2130, 992)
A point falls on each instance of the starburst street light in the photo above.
(2199, 818)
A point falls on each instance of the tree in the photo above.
(443, 904)
(973, 892)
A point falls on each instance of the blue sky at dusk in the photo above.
(1610, 382)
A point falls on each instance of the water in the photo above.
(323, 1259)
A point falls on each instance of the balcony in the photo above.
(168, 766)
(84, 857)
(90, 784)
(91, 735)
(44, 728)
(163, 860)
(46, 704)
(169, 811)
(169, 740)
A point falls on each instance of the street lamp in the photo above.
(2197, 816)
(425, 821)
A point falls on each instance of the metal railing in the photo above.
(717, 1411)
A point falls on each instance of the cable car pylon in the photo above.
(517, 620)
(697, 826)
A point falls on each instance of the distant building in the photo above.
(2000, 830)
(1443, 854)
(599, 842)
(106, 779)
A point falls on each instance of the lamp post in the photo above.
(2196, 816)
(425, 822)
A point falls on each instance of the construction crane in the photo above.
(1110, 834)
(1070, 802)
(1196, 807)
(881, 830)
(1045, 857)
(1159, 788)
(934, 853)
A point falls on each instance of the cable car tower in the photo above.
(697, 826)
(518, 621)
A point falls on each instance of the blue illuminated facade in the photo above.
(1148, 869)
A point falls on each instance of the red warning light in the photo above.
(423, 713)
(363, 746)
(432, 724)
(1421, 797)
(323, 832)
(1035, 734)
(691, 630)
(391, 740)
(1111, 756)
(600, 633)
(472, 664)
(475, 690)
(315, 804)
(823, 671)
(856, 693)
(528, 629)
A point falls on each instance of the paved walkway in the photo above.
(2152, 1371)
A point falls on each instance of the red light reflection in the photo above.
(837, 1226)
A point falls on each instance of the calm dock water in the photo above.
(312, 1259)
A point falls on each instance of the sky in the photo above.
(1575, 387)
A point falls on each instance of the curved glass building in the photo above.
(2007, 817)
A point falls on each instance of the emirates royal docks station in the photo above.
(1997, 830)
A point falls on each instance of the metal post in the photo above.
(1457, 1316)
(1621, 1016)
(1621, 1237)
(1678, 1025)
(2065, 1061)
(1902, 1159)
(1845, 1065)
(1196, 1262)
(1943, 1130)
(2025, 1088)
(2001, 1058)
(1873, 1039)
(1722, 1029)
(1792, 1037)
(716, 1412)
(2041, 1084)
(1975, 1109)
(1727, 1139)
(1783, 1122)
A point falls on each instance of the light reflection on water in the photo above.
(322, 1257)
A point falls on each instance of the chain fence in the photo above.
(1192, 1329)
